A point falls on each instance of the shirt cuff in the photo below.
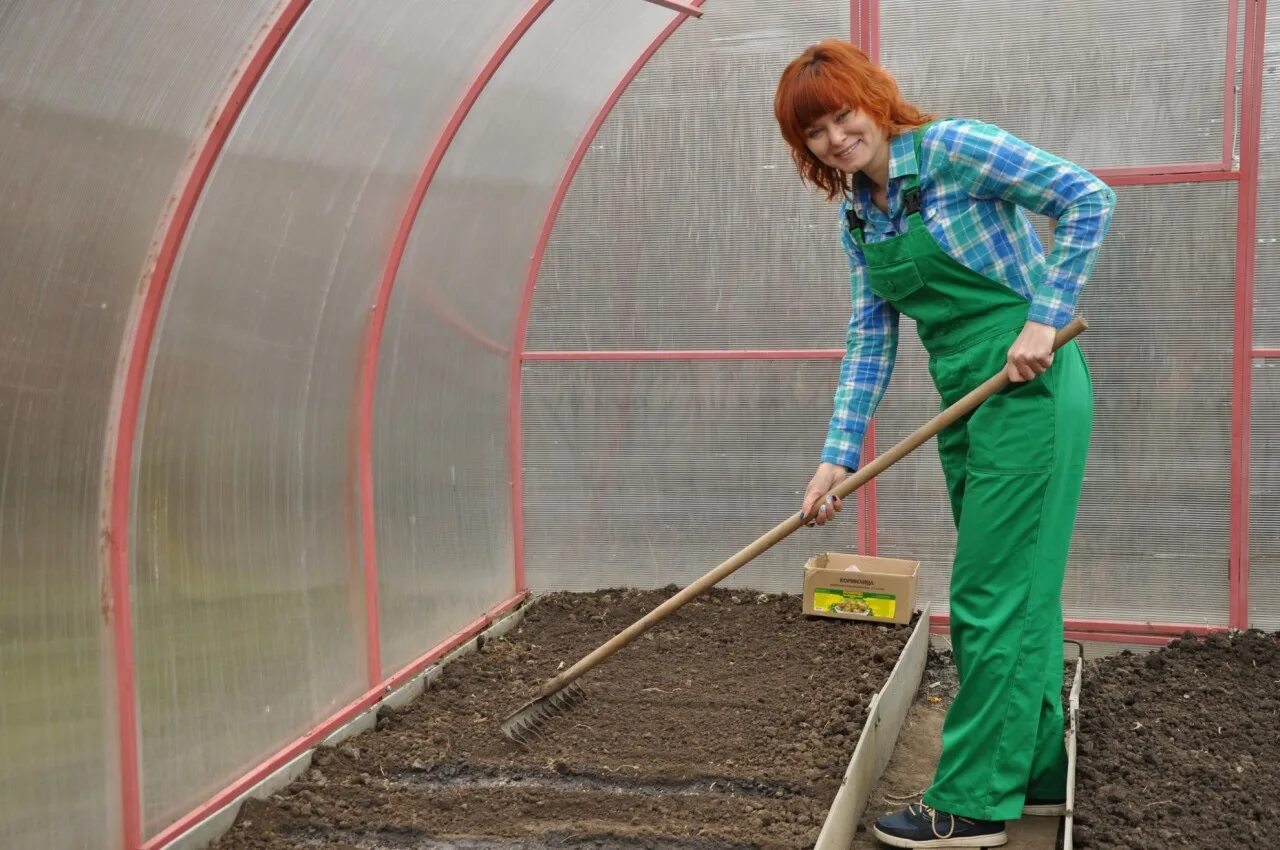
(841, 455)
(1057, 316)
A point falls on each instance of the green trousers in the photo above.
(1014, 471)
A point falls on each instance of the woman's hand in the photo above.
(827, 476)
(1031, 353)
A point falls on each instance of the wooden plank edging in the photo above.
(879, 734)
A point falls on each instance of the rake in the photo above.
(563, 692)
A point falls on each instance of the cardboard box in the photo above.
(860, 587)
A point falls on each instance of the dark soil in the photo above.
(729, 725)
(1181, 748)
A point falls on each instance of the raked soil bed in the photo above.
(1181, 748)
(729, 725)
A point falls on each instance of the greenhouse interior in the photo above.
(368, 364)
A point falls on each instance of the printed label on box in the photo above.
(840, 601)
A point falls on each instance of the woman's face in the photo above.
(848, 140)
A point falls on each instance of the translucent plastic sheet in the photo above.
(1264, 477)
(644, 473)
(442, 466)
(1104, 84)
(1267, 304)
(1264, 510)
(99, 106)
(249, 587)
(687, 226)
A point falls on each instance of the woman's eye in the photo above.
(843, 115)
(813, 132)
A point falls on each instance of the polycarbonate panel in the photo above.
(1264, 488)
(1267, 303)
(1151, 540)
(250, 604)
(1101, 83)
(441, 452)
(99, 106)
(647, 473)
(687, 226)
(1264, 476)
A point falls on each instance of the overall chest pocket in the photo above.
(896, 280)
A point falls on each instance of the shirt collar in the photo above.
(902, 161)
(902, 155)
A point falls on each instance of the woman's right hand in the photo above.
(827, 476)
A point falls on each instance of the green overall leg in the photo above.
(1018, 483)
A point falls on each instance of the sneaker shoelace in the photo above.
(933, 820)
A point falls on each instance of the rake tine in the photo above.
(528, 722)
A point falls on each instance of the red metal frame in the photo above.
(1157, 175)
(1246, 267)
(677, 6)
(128, 386)
(866, 496)
(868, 507)
(1097, 637)
(1120, 638)
(873, 30)
(693, 354)
(1120, 627)
(321, 731)
(736, 353)
(1106, 631)
(526, 297)
(377, 322)
(1229, 86)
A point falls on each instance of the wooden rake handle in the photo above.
(921, 435)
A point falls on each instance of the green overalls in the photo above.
(1014, 469)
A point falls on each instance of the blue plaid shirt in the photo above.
(974, 183)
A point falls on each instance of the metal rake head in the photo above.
(525, 724)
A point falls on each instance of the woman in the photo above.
(932, 221)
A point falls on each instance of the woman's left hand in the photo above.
(1031, 353)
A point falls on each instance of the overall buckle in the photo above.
(853, 220)
(911, 201)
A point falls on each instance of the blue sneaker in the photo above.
(919, 825)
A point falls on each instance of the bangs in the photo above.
(816, 91)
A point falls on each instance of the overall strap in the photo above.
(855, 223)
(911, 193)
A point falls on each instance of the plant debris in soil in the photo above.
(1181, 748)
(728, 725)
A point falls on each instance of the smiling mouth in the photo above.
(842, 154)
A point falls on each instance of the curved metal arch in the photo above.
(130, 380)
(535, 264)
(368, 375)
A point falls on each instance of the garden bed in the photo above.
(730, 725)
(1181, 747)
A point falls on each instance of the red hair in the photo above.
(826, 78)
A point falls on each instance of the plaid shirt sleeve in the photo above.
(871, 346)
(991, 163)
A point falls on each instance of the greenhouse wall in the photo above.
(335, 330)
